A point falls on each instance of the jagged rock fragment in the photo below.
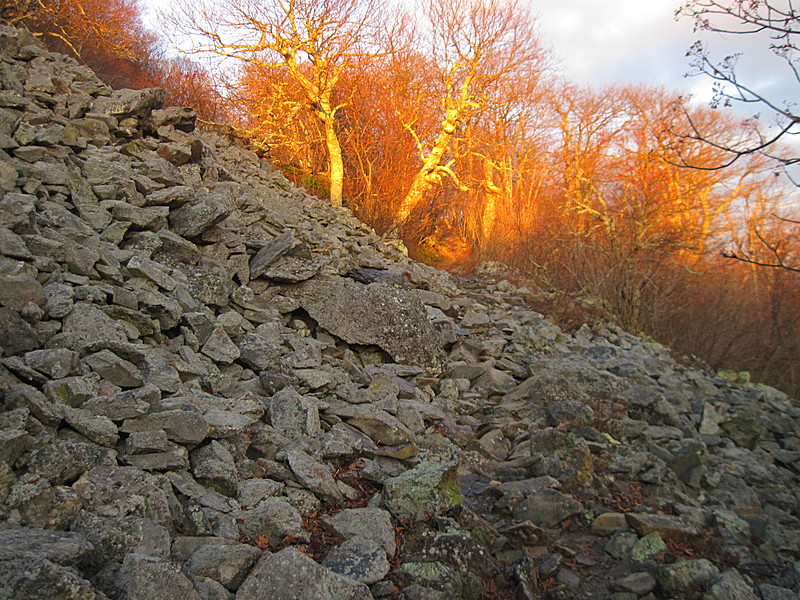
(308, 580)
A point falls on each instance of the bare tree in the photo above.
(314, 42)
(780, 21)
(106, 35)
(475, 46)
(768, 253)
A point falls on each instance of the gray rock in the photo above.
(428, 488)
(57, 461)
(170, 460)
(441, 577)
(745, 429)
(124, 405)
(181, 118)
(273, 519)
(271, 251)
(220, 348)
(308, 580)
(44, 409)
(419, 592)
(161, 171)
(686, 575)
(258, 352)
(647, 547)
(152, 271)
(185, 484)
(16, 291)
(114, 369)
(385, 316)
(293, 415)
(30, 502)
(496, 444)
(13, 444)
(159, 372)
(380, 426)
(774, 592)
(669, 527)
(131, 103)
(94, 131)
(34, 577)
(640, 584)
(547, 507)
(210, 589)
(207, 210)
(181, 426)
(214, 466)
(112, 538)
(253, 491)
(147, 578)
(72, 391)
(227, 564)
(359, 559)
(16, 335)
(151, 218)
(55, 363)
(17, 211)
(314, 475)
(101, 430)
(58, 300)
(731, 586)
(179, 154)
(374, 524)
(292, 269)
(208, 282)
(225, 424)
(61, 547)
(87, 324)
(458, 549)
(147, 441)
(124, 491)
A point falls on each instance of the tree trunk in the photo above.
(492, 192)
(335, 163)
(426, 176)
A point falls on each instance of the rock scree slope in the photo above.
(215, 386)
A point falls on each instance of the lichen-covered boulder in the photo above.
(427, 489)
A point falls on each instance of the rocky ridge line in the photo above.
(215, 386)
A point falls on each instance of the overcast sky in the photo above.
(608, 41)
(602, 42)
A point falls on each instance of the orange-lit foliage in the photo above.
(309, 44)
(188, 84)
(381, 157)
(477, 49)
(269, 103)
(107, 35)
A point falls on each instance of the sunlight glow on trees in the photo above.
(312, 42)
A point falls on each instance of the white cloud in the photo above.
(603, 42)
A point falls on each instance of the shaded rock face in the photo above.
(213, 385)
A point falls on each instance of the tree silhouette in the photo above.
(780, 22)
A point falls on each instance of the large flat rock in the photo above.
(377, 314)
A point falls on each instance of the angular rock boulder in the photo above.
(378, 314)
(290, 575)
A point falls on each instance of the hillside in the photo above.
(216, 386)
